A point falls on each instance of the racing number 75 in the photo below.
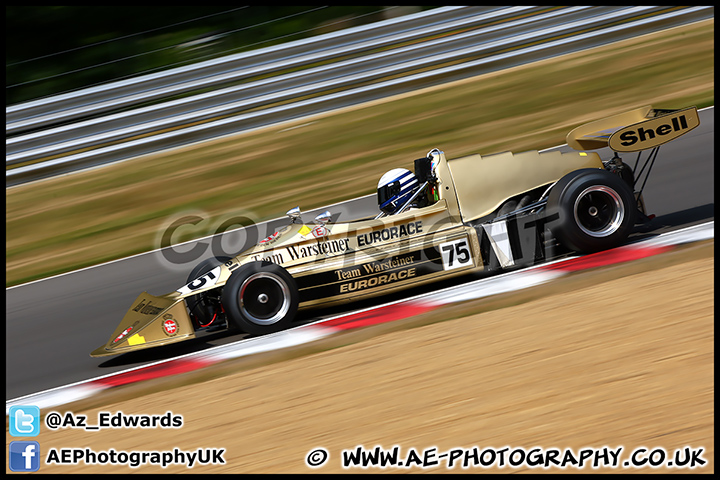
(455, 254)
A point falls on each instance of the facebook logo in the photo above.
(24, 456)
(24, 421)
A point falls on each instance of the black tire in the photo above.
(260, 298)
(506, 208)
(201, 309)
(512, 205)
(596, 210)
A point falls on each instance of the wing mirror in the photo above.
(323, 218)
(294, 214)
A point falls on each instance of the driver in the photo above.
(395, 188)
(400, 186)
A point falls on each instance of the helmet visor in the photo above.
(387, 193)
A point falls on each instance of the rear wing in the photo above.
(636, 130)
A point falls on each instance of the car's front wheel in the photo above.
(596, 210)
(203, 307)
(260, 298)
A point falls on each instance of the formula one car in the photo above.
(448, 217)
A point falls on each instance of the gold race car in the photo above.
(446, 218)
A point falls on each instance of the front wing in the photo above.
(150, 322)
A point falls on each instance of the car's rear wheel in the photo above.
(596, 210)
(260, 297)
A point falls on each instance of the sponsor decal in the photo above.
(320, 231)
(296, 252)
(347, 280)
(122, 335)
(170, 326)
(125, 332)
(377, 267)
(272, 257)
(655, 131)
(136, 339)
(320, 248)
(325, 247)
(270, 239)
(147, 308)
(390, 233)
(377, 281)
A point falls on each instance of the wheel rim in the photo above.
(599, 211)
(264, 298)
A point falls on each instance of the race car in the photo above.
(445, 218)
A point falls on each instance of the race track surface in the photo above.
(52, 325)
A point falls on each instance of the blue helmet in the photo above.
(395, 188)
